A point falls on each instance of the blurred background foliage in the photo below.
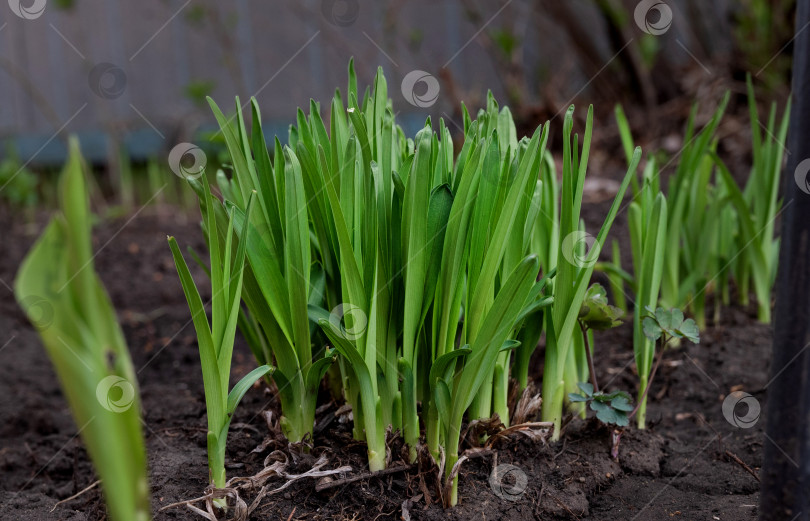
(537, 55)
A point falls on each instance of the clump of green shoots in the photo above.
(675, 238)
(757, 206)
(281, 281)
(648, 226)
(716, 231)
(574, 268)
(217, 338)
(419, 265)
(403, 240)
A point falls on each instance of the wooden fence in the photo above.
(137, 72)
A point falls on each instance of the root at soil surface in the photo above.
(77, 494)
(231, 491)
(326, 483)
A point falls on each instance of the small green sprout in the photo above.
(58, 288)
(661, 325)
(610, 408)
(669, 324)
(595, 312)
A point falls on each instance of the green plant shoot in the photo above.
(62, 295)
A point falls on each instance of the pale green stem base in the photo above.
(452, 459)
(553, 406)
(641, 415)
(500, 392)
(764, 312)
(410, 420)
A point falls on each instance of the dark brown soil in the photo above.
(679, 468)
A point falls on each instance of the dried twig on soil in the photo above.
(320, 487)
(77, 494)
(563, 505)
(741, 463)
(534, 430)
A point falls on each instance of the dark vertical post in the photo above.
(786, 467)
